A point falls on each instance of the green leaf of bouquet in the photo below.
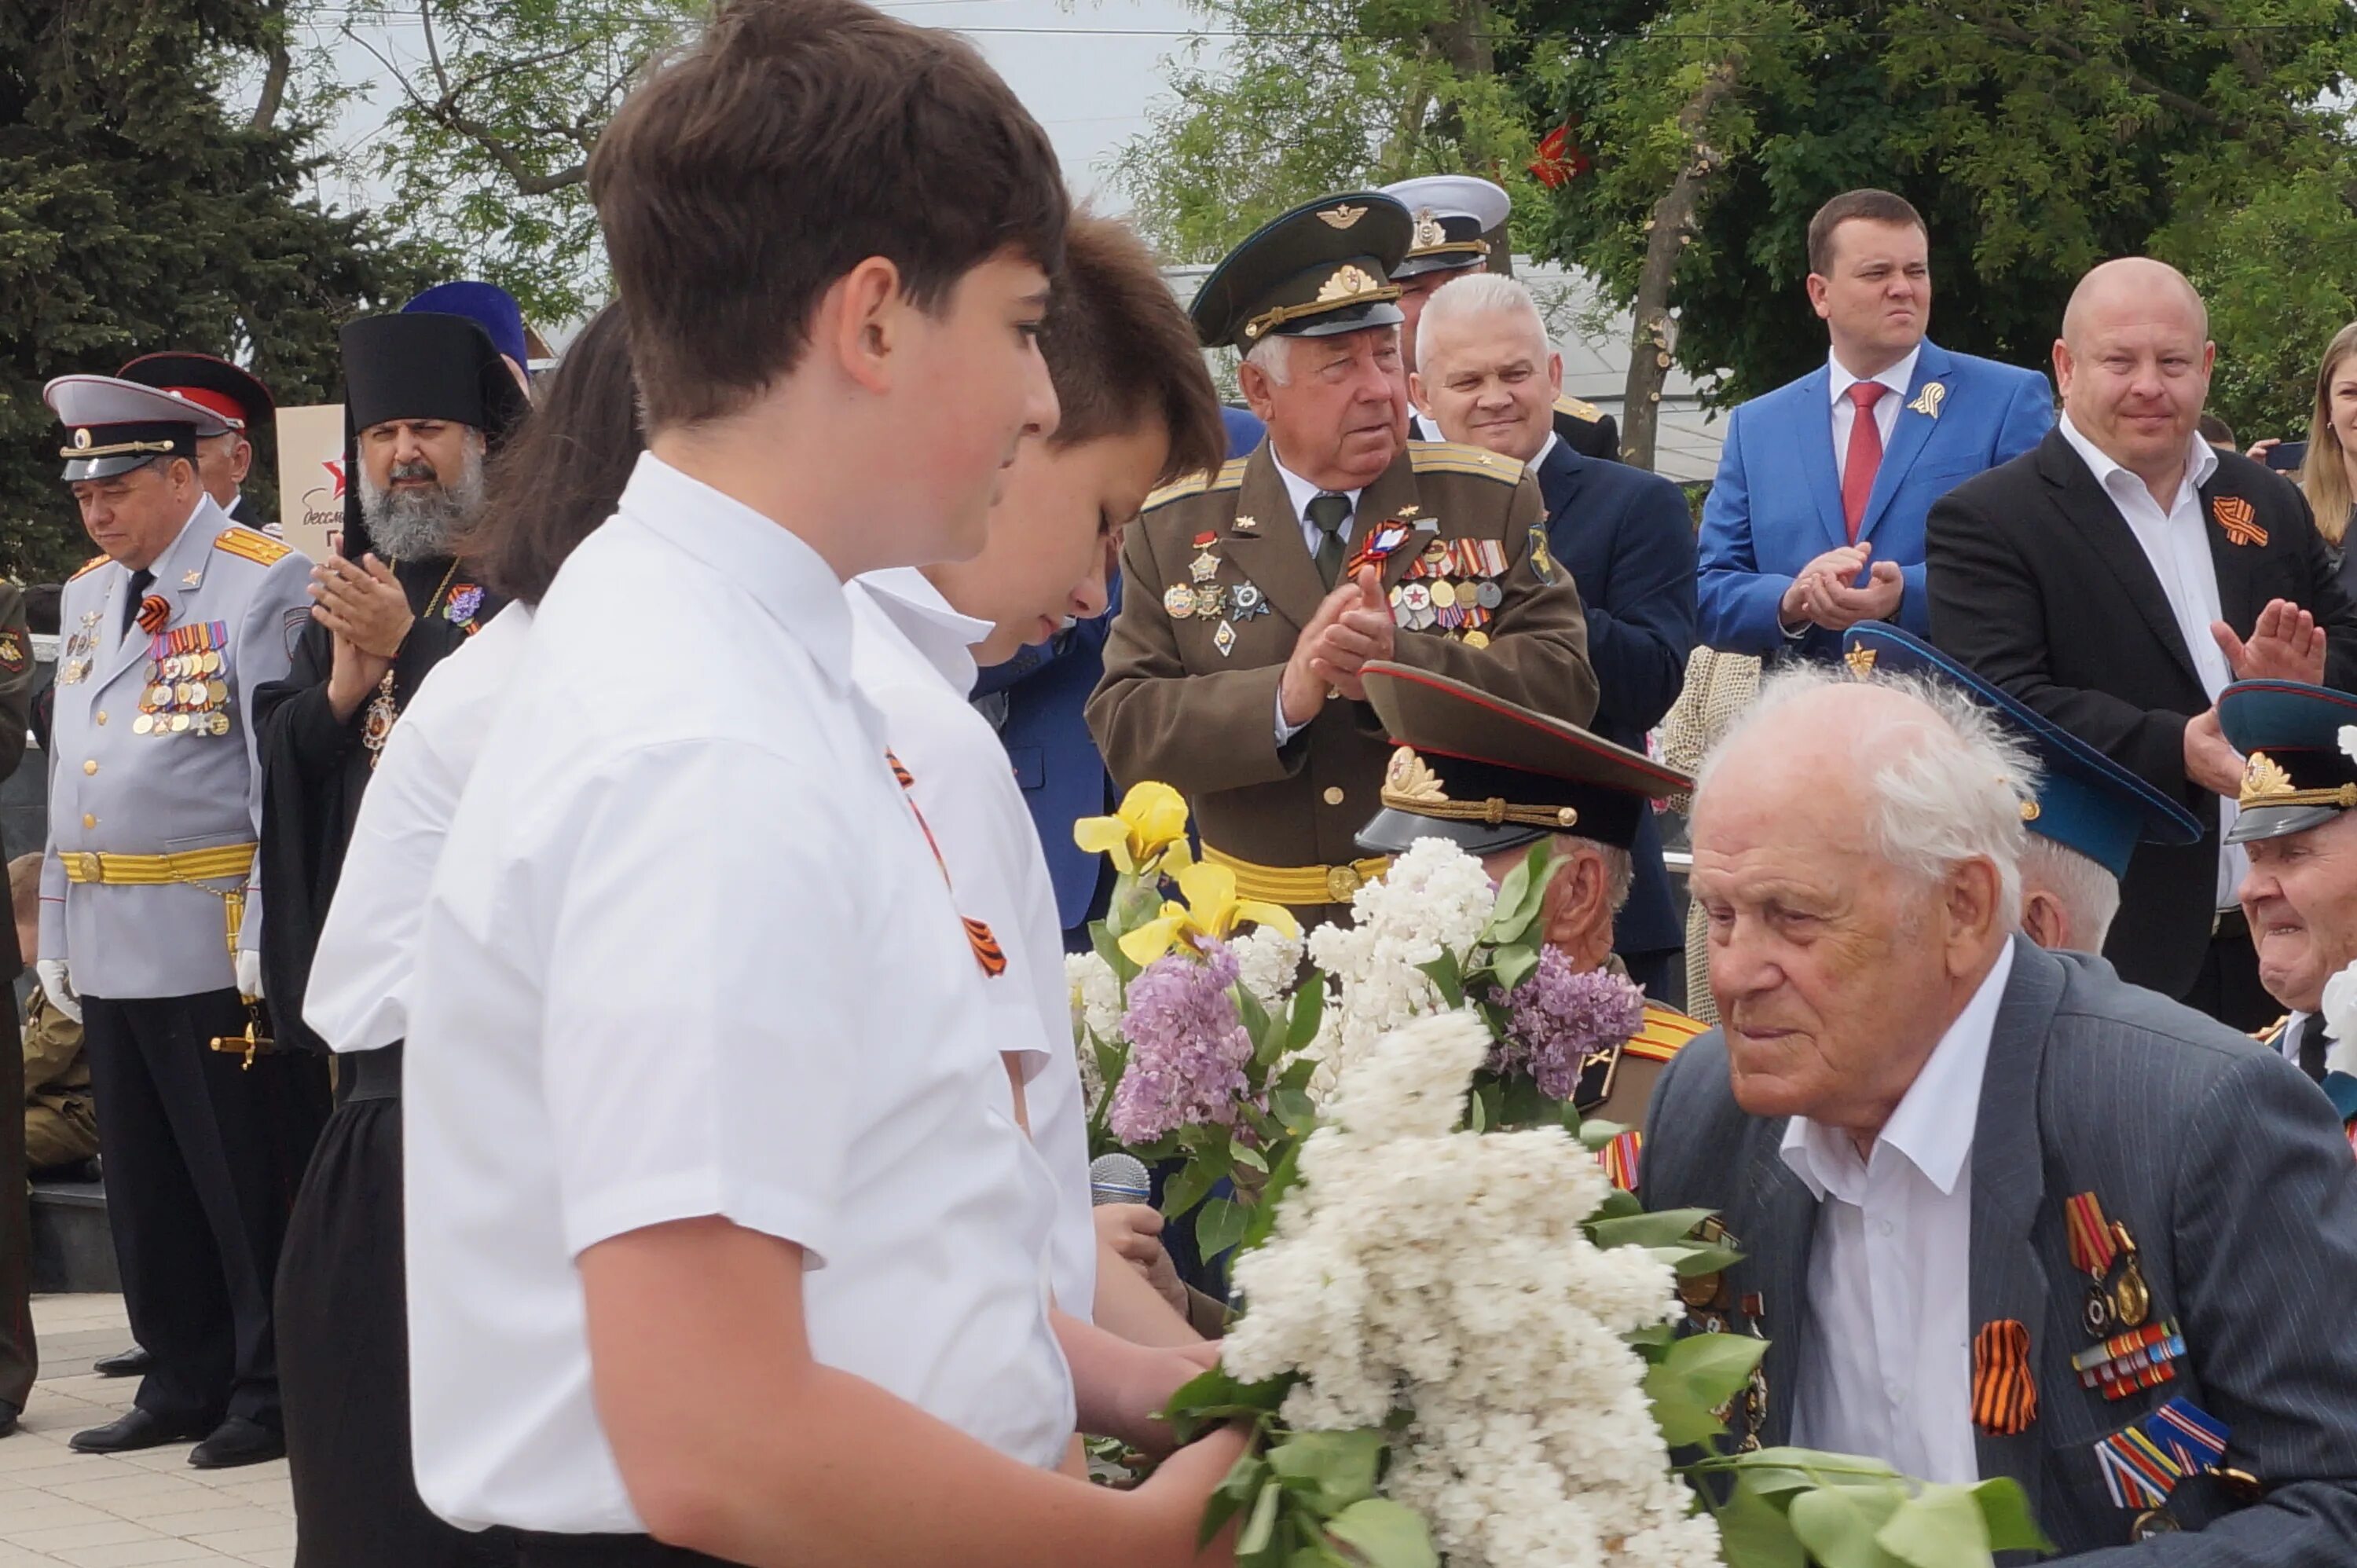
(1617, 1205)
(1243, 1483)
(1513, 888)
(1385, 1534)
(1261, 1219)
(1838, 1524)
(1338, 1467)
(1938, 1527)
(1662, 1228)
(1477, 1108)
(1261, 1526)
(1308, 1012)
(1512, 966)
(1112, 1060)
(1699, 1374)
(1653, 1336)
(1754, 1533)
(2004, 1510)
(1595, 1133)
(1775, 1471)
(1108, 948)
(1445, 974)
(1692, 1260)
(1194, 1179)
(1291, 1105)
(1219, 1226)
(1209, 1397)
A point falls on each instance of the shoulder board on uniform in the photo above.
(2273, 1032)
(92, 564)
(1450, 457)
(1665, 1030)
(1579, 410)
(258, 548)
(1230, 476)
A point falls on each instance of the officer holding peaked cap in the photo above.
(147, 893)
(2090, 812)
(2298, 824)
(1458, 218)
(1494, 778)
(1253, 596)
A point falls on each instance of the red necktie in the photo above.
(1864, 453)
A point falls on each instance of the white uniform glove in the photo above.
(57, 986)
(249, 973)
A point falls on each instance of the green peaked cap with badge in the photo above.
(1320, 269)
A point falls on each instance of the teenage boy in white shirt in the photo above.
(724, 1243)
(1137, 409)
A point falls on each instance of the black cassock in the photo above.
(343, 1348)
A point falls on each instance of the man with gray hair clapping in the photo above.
(2133, 1247)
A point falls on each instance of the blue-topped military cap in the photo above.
(2295, 775)
(487, 306)
(1318, 270)
(1451, 213)
(2086, 801)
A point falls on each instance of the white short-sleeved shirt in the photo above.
(687, 954)
(358, 995)
(912, 655)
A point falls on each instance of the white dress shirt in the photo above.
(1302, 492)
(687, 954)
(1897, 378)
(912, 657)
(1885, 1361)
(2177, 542)
(361, 973)
(1553, 441)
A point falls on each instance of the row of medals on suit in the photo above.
(1450, 586)
(182, 691)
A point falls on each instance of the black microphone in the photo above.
(1118, 1178)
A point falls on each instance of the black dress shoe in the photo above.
(137, 1429)
(235, 1441)
(132, 1363)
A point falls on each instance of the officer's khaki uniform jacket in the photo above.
(115, 790)
(1177, 706)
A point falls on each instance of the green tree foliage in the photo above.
(2037, 138)
(138, 212)
(487, 147)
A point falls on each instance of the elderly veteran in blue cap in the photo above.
(1494, 778)
(1254, 597)
(2087, 820)
(2298, 825)
(1458, 219)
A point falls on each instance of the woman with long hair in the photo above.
(2328, 476)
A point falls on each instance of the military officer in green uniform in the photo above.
(1458, 218)
(1494, 778)
(1253, 596)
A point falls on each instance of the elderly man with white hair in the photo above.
(2119, 1279)
(1488, 375)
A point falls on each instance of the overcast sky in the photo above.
(1087, 69)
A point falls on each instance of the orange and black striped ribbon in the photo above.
(987, 951)
(154, 611)
(2005, 1396)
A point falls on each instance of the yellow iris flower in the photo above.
(1212, 910)
(1147, 834)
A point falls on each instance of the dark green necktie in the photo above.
(1328, 512)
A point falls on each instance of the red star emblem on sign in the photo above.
(335, 467)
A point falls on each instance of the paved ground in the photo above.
(92, 1511)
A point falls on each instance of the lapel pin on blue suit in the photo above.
(1929, 399)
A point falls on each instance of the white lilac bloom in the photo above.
(1424, 1268)
(1435, 898)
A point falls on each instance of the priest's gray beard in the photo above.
(421, 524)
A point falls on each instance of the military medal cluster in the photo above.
(1208, 597)
(186, 693)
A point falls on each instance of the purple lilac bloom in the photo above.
(1555, 1017)
(1187, 1047)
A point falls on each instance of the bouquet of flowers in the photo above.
(1190, 1029)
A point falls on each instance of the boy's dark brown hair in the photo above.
(1874, 206)
(560, 476)
(1122, 353)
(795, 140)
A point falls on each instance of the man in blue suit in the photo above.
(1815, 521)
(1488, 376)
(1036, 699)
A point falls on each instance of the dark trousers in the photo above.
(2228, 988)
(343, 1360)
(20, 1360)
(203, 1155)
(608, 1551)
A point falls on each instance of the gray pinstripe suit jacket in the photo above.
(2227, 1168)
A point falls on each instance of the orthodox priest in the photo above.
(427, 398)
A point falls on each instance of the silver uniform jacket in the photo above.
(118, 786)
